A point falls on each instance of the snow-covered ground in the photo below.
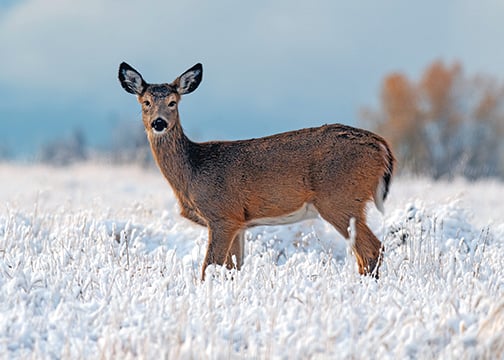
(95, 262)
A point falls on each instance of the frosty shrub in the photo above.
(446, 124)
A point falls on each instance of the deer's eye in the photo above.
(172, 103)
(146, 103)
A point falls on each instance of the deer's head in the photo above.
(159, 101)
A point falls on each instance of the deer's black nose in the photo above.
(159, 125)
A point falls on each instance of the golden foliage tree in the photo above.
(446, 124)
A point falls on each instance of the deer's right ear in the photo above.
(131, 80)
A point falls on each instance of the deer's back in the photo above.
(327, 148)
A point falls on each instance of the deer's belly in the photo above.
(306, 212)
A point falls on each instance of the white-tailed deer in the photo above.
(229, 186)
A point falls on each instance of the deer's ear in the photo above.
(189, 81)
(131, 80)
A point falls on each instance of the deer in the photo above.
(332, 171)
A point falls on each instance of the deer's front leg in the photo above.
(220, 237)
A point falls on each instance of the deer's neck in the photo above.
(172, 153)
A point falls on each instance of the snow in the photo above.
(95, 262)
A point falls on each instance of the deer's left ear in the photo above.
(131, 80)
(189, 81)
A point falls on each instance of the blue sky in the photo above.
(268, 66)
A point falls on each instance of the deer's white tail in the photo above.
(382, 189)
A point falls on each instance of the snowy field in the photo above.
(96, 263)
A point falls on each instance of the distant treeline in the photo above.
(128, 145)
(444, 125)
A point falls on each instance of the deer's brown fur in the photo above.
(229, 186)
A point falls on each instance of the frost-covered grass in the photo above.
(95, 262)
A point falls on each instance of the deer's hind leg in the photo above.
(367, 248)
(237, 250)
